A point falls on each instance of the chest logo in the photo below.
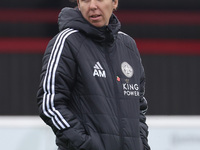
(127, 69)
(99, 71)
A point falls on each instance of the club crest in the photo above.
(127, 69)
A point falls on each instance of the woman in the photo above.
(92, 82)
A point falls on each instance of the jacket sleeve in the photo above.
(143, 103)
(143, 110)
(57, 81)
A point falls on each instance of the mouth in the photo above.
(95, 17)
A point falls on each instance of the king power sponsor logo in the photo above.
(131, 89)
(99, 71)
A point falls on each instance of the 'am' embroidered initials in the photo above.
(99, 71)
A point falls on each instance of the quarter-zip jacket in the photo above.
(92, 87)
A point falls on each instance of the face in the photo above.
(97, 12)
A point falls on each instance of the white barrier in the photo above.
(25, 133)
(174, 132)
(166, 133)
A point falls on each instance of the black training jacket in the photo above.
(92, 87)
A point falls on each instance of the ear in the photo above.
(78, 4)
(115, 4)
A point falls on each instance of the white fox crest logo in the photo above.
(127, 69)
(99, 71)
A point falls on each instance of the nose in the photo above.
(93, 5)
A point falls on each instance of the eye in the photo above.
(86, 1)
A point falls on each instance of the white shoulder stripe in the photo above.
(49, 81)
(120, 32)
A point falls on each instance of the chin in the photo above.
(97, 25)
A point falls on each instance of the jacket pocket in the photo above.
(96, 143)
(71, 138)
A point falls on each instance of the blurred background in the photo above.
(167, 34)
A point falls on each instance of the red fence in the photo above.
(145, 46)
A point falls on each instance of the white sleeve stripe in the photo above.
(49, 81)
(48, 109)
(120, 32)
